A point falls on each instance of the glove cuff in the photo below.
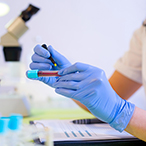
(122, 119)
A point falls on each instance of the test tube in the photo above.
(41, 73)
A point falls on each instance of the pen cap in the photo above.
(15, 121)
(32, 73)
(3, 125)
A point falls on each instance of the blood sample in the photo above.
(41, 73)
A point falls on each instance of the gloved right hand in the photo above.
(40, 61)
(90, 86)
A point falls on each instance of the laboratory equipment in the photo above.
(41, 73)
(14, 133)
(17, 103)
(14, 125)
(3, 131)
(11, 47)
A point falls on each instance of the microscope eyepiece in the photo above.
(27, 14)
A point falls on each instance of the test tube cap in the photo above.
(32, 73)
(4, 125)
(15, 121)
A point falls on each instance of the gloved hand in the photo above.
(90, 86)
(40, 61)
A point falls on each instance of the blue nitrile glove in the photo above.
(40, 61)
(90, 86)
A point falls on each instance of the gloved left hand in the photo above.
(40, 61)
(90, 86)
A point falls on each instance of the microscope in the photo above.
(12, 52)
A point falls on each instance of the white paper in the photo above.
(65, 130)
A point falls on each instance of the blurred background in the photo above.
(96, 32)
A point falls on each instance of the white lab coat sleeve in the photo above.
(130, 65)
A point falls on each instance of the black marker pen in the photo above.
(87, 121)
(52, 60)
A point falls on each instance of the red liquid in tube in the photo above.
(48, 73)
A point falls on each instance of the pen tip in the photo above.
(44, 46)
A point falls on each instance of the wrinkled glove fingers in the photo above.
(77, 94)
(77, 67)
(40, 51)
(36, 58)
(78, 76)
(40, 66)
(64, 92)
(74, 85)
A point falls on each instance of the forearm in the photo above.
(137, 124)
(122, 85)
(81, 105)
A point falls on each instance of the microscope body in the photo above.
(11, 47)
(14, 102)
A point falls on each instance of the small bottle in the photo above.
(3, 131)
(14, 128)
(49, 137)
